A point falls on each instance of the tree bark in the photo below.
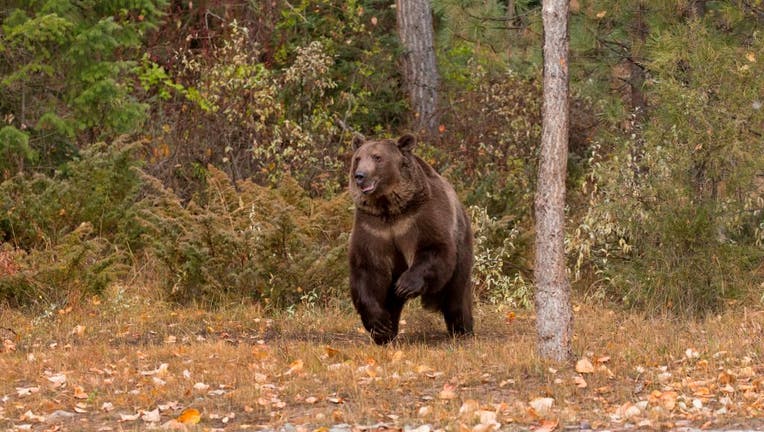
(554, 319)
(419, 65)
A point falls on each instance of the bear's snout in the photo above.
(360, 176)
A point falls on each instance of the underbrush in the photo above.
(274, 245)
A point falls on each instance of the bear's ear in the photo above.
(358, 141)
(406, 143)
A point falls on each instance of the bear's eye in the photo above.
(376, 158)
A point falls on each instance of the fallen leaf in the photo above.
(161, 370)
(510, 316)
(190, 416)
(468, 409)
(726, 378)
(201, 386)
(691, 353)
(486, 416)
(580, 381)
(295, 367)
(58, 380)
(173, 424)
(541, 406)
(584, 366)
(26, 391)
(423, 369)
(448, 392)
(151, 416)
(546, 425)
(333, 353)
(30, 416)
(129, 417)
(79, 393)
(667, 400)
(311, 399)
(78, 330)
(424, 411)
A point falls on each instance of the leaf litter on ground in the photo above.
(237, 370)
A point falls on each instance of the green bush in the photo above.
(80, 264)
(273, 245)
(99, 188)
(501, 274)
(675, 207)
(70, 234)
(66, 71)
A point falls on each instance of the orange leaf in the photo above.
(190, 416)
(510, 317)
(79, 393)
(547, 425)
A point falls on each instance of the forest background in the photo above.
(201, 147)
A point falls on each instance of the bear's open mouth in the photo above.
(369, 188)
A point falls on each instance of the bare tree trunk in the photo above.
(554, 319)
(420, 67)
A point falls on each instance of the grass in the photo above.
(314, 368)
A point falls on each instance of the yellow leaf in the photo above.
(295, 367)
(423, 369)
(601, 14)
(584, 366)
(751, 57)
(190, 416)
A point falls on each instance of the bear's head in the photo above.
(384, 174)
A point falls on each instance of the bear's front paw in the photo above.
(409, 285)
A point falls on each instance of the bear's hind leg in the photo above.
(458, 321)
(456, 300)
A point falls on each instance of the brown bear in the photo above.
(411, 237)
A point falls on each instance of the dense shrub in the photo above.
(70, 234)
(676, 204)
(273, 245)
(501, 274)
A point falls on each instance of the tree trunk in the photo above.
(419, 65)
(554, 319)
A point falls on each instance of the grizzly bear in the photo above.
(411, 237)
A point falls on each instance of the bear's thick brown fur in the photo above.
(411, 237)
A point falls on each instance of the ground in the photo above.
(133, 364)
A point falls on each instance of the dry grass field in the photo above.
(135, 364)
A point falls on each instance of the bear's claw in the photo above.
(409, 286)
